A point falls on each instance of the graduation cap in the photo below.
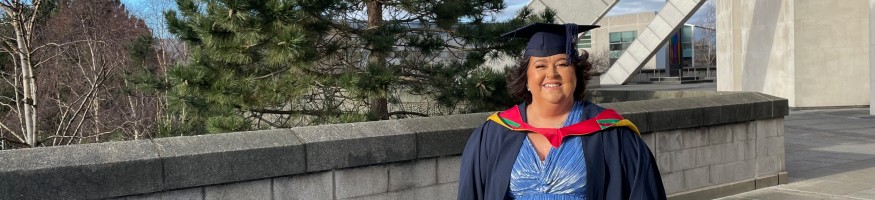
(550, 39)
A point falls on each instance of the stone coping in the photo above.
(113, 169)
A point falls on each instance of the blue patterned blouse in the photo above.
(562, 174)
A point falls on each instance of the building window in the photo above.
(585, 41)
(681, 48)
(619, 41)
(687, 41)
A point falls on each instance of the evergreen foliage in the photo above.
(245, 55)
(276, 63)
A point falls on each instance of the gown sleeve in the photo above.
(471, 172)
(642, 173)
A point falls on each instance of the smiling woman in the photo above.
(518, 80)
(552, 79)
(555, 145)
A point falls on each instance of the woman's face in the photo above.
(551, 79)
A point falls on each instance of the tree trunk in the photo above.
(379, 107)
(28, 80)
(17, 15)
(132, 105)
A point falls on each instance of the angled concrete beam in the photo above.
(657, 33)
(575, 11)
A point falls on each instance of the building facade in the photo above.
(617, 33)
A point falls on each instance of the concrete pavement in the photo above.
(830, 155)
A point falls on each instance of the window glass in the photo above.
(615, 37)
(585, 41)
(619, 41)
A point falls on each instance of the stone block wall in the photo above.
(720, 160)
(707, 145)
(432, 178)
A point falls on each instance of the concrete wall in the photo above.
(707, 145)
(832, 38)
(814, 53)
(735, 157)
(432, 178)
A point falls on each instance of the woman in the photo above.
(556, 145)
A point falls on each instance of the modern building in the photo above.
(673, 60)
(618, 32)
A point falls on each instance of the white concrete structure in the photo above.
(577, 11)
(668, 19)
(813, 53)
(871, 55)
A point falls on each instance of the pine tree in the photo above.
(431, 48)
(269, 63)
(245, 61)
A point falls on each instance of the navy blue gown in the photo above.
(618, 163)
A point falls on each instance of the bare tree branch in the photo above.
(407, 113)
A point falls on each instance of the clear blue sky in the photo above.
(635, 6)
(150, 10)
(623, 7)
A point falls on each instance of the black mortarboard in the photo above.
(550, 39)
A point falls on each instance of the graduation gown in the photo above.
(619, 164)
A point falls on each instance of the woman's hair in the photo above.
(517, 79)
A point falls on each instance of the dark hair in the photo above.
(517, 79)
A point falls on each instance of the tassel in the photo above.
(571, 46)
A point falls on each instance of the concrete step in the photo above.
(674, 78)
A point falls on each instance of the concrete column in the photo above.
(871, 55)
(813, 53)
(726, 77)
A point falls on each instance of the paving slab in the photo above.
(863, 194)
(776, 194)
(830, 155)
